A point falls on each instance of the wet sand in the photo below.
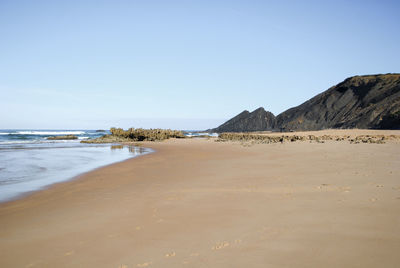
(201, 203)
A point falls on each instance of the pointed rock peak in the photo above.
(261, 109)
(245, 112)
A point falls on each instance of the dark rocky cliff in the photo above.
(257, 120)
(370, 101)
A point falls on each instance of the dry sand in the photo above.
(200, 203)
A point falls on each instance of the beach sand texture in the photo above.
(201, 203)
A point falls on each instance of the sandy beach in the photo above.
(201, 203)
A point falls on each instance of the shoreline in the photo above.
(24, 194)
(201, 203)
(75, 179)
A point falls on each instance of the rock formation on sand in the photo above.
(370, 101)
(136, 134)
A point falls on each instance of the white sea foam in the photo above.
(37, 141)
(49, 132)
(18, 142)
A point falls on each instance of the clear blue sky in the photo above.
(181, 64)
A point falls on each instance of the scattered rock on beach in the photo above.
(262, 138)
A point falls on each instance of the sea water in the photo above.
(30, 162)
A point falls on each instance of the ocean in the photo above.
(29, 162)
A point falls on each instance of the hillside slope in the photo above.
(369, 101)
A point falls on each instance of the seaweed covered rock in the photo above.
(137, 134)
(263, 138)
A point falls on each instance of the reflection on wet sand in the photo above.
(132, 149)
(117, 147)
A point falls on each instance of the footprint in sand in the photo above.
(31, 264)
(345, 189)
(220, 245)
(155, 212)
(123, 266)
(379, 185)
(194, 254)
(288, 196)
(138, 228)
(145, 264)
(69, 253)
(173, 198)
(323, 186)
(270, 232)
(373, 199)
(172, 254)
